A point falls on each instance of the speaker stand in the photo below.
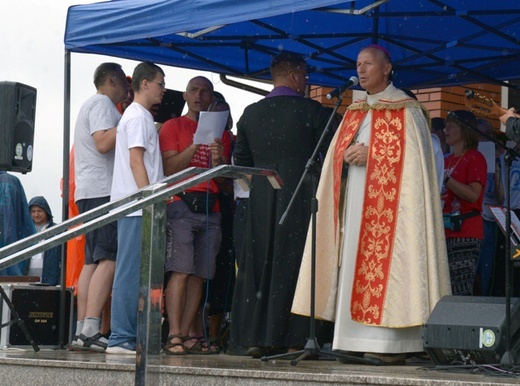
(507, 358)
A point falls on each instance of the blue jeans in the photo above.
(125, 291)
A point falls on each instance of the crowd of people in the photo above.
(403, 219)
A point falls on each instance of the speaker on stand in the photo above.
(17, 113)
(469, 330)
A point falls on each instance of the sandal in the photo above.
(212, 346)
(170, 344)
(197, 348)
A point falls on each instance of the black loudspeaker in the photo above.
(472, 330)
(171, 106)
(17, 113)
(39, 308)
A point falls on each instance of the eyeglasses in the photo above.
(161, 85)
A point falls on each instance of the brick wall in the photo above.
(320, 94)
(439, 100)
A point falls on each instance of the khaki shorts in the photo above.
(192, 241)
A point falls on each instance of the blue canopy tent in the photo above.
(433, 42)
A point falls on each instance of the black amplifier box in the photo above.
(39, 308)
(465, 330)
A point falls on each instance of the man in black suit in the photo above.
(279, 132)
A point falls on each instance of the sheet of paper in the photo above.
(500, 216)
(211, 125)
(515, 224)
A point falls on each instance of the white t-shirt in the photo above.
(36, 262)
(135, 129)
(92, 169)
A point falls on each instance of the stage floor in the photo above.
(62, 367)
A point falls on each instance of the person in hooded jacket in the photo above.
(46, 264)
(15, 220)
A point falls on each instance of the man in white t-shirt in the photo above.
(137, 164)
(94, 142)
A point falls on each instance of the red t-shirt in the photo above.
(468, 168)
(177, 134)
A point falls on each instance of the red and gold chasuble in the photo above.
(381, 201)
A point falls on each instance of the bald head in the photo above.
(198, 95)
(200, 80)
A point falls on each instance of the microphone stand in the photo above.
(312, 348)
(507, 358)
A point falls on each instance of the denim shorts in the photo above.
(101, 243)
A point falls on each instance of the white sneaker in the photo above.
(119, 350)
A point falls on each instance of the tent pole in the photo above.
(65, 194)
(242, 86)
(66, 138)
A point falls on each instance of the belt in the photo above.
(465, 216)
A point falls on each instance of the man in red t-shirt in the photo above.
(192, 238)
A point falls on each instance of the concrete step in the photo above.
(62, 367)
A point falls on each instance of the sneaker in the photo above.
(96, 343)
(124, 348)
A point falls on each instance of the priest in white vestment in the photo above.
(380, 247)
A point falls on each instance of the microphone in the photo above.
(353, 81)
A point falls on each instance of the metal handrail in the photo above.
(114, 210)
(86, 217)
(152, 199)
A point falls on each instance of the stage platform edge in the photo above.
(62, 367)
